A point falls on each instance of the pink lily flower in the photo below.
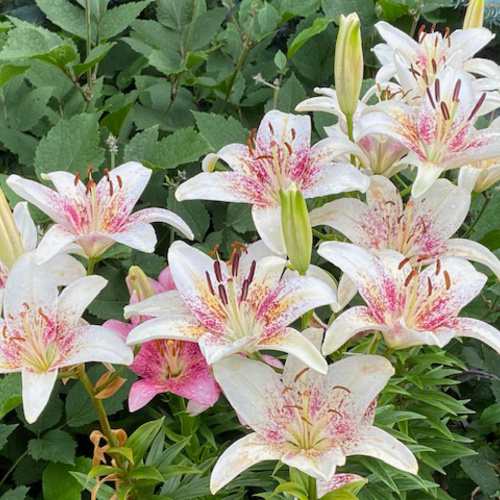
(440, 133)
(421, 231)
(43, 330)
(309, 421)
(167, 365)
(239, 307)
(97, 215)
(418, 63)
(277, 156)
(378, 153)
(409, 307)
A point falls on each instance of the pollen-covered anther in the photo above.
(244, 290)
(431, 99)
(438, 267)
(341, 387)
(77, 178)
(429, 287)
(445, 111)
(223, 294)
(479, 103)
(300, 374)
(120, 182)
(251, 273)
(437, 90)
(289, 148)
(209, 281)
(43, 315)
(403, 263)
(423, 256)
(447, 279)
(434, 65)
(293, 133)
(413, 274)
(4, 331)
(456, 91)
(218, 271)
(26, 305)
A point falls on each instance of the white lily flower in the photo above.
(97, 215)
(277, 156)
(408, 307)
(242, 306)
(309, 421)
(43, 330)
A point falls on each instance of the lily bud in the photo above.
(474, 14)
(11, 245)
(348, 64)
(296, 228)
(139, 283)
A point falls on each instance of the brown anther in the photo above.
(120, 182)
(240, 245)
(331, 410)
(215, 251)
(438, 266)
(433, 28)
(294, 134)
(403, 263)
(209, 281)
(77, 178)
(286, 389)
(410, 277)
(106, 173)
(4, 331)
(244, 291)
(235, 262)
(414, 71)
(436, 42)
(420, 30)
(423, 256)
(297, 407)
(423, 37)
(306, 420)
(434, 65)
(447, 32)
(20, 339)
(300, 374)
(429, 287)
(445, 111)
(479, 103)
(159, 346)
(111, 190)
(250, 147)
(251, 273)
(90, 185)
(289, 148)
(456, 91)
(218, 270)
(26, 305)
(271, 128)
(437, 90)
(429, 95)
(306, 394)
(223, 294)
(447, 279)
(43, 315)
(264, 157)
(425, 77)
(89, 171)
(390, 202)
(341, 387)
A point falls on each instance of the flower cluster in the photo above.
(204, 327)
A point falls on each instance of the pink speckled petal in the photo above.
(376, 443)
(96, 343)
(189, 267)
(215, 347)
(141, 393)
(293, 342)
(292, 298)
(400, 336)
(338, 481)
(241, 455)
(355, 320)
(255, 391)
(479, 330)
(55, 241)
(149, 215)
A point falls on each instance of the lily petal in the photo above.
(137, 235)
(161, 304)
(267, 220)
(427, 174)
(149, 215)
(141, 393)
(215, 348)
(321, 465)
(55, 241)
(26, 226)
(37, 388)
(479, 330)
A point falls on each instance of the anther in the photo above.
(110, 182)
(235, 263)
(26, 305)
(209, 281)
(264, 157)
(456, 91)
(218, 271)
(420, 30)
(403, 263)
(438, 266)
(289, 148)
(479, 103)
(77, 178)
(300, 374)
(331, 410)
(445, 110)
(251, 273)
(425, 76)
(271, 128)
(437, 90)
(306, 420)
(4, 331)
(89, 171)
(244, 291)
(390, 202)
(429, 95)
(342, 388)
(119, 179)
(293, 133)
(423, 256)
(429, 286)
(43, 315)
(434, 64)
(410, 277)
(106, 173)
(447, 279)
(223, 294)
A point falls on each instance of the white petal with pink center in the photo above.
(97, 215)
(243, 305)
(308, 421)
(277, 156)
(407, 306)
(43, 331)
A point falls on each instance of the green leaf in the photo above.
(5, 432)
(66, 15)
(21, 144)
(54, 446)
(97, 54)
(17, 494)
(239, 217)
(280, 60)
(57, 481)
(319, 25)
(142, 438)
(220, 131)
(195, 215)
(105, 492)
(9, 71)
(290, 95)
(118, 19)
(179, 148)
(141, 145)
(124, 451)
(72, 145)
(146, 472)
(482, 473)
(10, 393)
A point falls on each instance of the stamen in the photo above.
(420, 30)
(44, 316)
(223, 295)
(306, 420)
(286, 389)
(251, 273)
(403, 263)
(447, 279)
(77, 178)
(110, 182)
(289, 148)
(422, 257)
(297, 407)
(4, 331)
(425, 76)
(456, 91)
(264, 157)
(26, 305)
(120, 183)
(293, 134)
(429, 95)
(300, 373)
(331, 410)
(306, 394)
(106, 173)
(271, 128)
(244, 291)
(390, 202)
(90, 185)
(429, 286)
(479, 103)
(342, 388)
(215, 251)
(235, 263)
(437, 90)
(89, 171)
(434, 64)
(250, 147)
(447, 32)
(410, 277)
(433, 28)
(445, 111)
(218, 271)
(438, 266)
(414, 71)
(209, 281)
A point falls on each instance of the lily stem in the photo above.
(313, 490)
(487, 199)
(90, 266)
(88, 22)
(350, 132)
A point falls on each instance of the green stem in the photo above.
(406, 190)
(99, 407)
(88, 22)
(487, 199)
(91, 265)
(321, 236)
(239, 65)
(312, 489)
(11, 470)
(350, 132)
(416, 17)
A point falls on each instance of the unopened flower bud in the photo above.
(474, 14)
(296, 228)
(11, 245)
(139, 284)
(348, 64)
